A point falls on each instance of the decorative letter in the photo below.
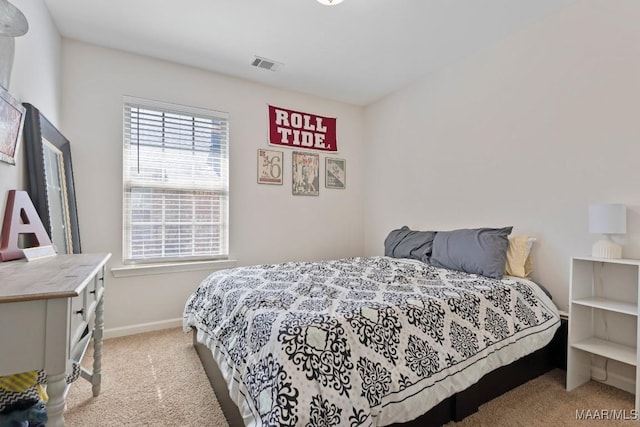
(286, 133)
(307, 139)
(319, 141)
(282, 118)
(20, 217)
(319, 125)
(296, 120)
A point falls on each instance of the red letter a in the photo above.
(20, 217)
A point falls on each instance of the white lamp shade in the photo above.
(607, 219)
(329, 2)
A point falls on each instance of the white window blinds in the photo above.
(175, 182)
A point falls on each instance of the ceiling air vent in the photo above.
(267, 64)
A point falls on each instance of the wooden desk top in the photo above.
(61, 276)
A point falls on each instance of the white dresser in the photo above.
(47, 307)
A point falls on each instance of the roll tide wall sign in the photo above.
(295, 129)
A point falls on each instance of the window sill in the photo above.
(149, 269)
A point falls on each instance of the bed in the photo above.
(366, 341)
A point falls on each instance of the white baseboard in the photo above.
(142, 327)
(613, 379)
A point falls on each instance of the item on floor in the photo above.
(23, 399)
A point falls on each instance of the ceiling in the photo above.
(355, 52)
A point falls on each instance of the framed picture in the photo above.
(51, 185)
(269, 167)
(335, 173)
(11, 121)
(305, 172)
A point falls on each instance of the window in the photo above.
(175, 182)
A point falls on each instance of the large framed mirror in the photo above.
(51, 185)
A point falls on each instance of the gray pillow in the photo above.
(478, 251)
(407, 243)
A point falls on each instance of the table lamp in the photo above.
(607, 219)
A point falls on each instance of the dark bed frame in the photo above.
(454, 408)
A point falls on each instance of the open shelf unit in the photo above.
(603, 316)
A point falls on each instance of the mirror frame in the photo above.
(37, 128)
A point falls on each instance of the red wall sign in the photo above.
(301, 130)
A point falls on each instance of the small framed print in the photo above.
(306, 174)
(269, 167)
(335, 173)
(12, 116)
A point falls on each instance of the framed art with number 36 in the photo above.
(269, 167)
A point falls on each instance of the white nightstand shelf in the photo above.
(608, 304)
(603, 317)
(604, 348)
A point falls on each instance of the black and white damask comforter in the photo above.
(360, 341)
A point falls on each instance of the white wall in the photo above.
(267, 223)
(35, 79)
(526, 133)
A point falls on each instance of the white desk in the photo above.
(45, 306)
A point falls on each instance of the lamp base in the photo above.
(606, 248)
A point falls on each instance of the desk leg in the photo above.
(96, 377)
(55, 406)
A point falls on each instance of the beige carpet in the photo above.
(151, 379)
(155, 379)
(545, 402)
